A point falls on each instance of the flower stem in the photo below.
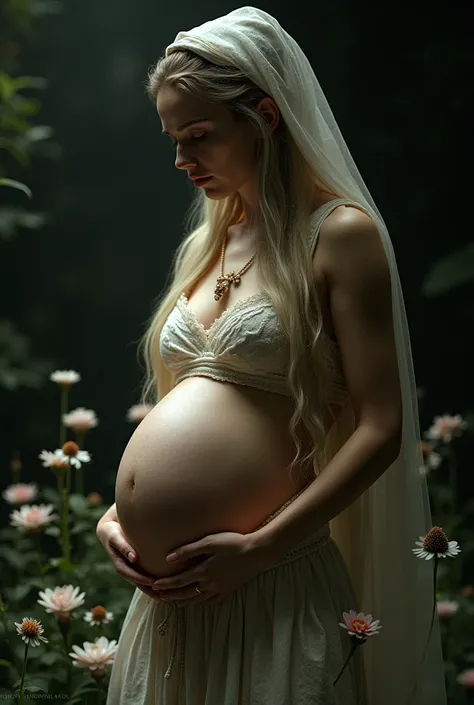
(23, 672)
(37, 539)
(79, 481)
(64, 628)
(435, 572)
(65, 516)
(453, 479)
(353, 648)
(62, 427)
(79, 476)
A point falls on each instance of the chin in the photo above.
(211, 192)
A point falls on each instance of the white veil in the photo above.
(377, 532)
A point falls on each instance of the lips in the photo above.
(202, 181)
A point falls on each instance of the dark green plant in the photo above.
(21, 141)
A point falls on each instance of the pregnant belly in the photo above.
(210, 457)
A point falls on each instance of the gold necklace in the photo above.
(225, 280)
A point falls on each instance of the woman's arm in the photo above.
(358, 276)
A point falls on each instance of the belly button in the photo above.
(132, 483)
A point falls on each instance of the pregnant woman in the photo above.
(280, 460)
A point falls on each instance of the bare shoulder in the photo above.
(348, 237)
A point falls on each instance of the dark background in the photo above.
(398, 81)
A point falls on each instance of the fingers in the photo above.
(151, 593)
(125, 570)
(119, 549)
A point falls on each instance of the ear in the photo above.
(270, 111)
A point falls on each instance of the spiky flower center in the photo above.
(98, 613)
(436, 541)
(30, 628)
(70, 449)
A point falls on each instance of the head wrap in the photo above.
(377, 532)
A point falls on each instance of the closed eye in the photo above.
(200, 137)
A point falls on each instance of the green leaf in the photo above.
(82, 689)
(8, 664)
(52, 531)
(33, 689)
(80, 527)
(22, 82)
(51, 657)
(37, 582)
(63, 564)
(78, 504)
(18, 592)
(452, 271)
(50, 494)
(12, 557)
(16, 185)
(38, 133)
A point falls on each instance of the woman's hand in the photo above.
(232, 560)
(113, 540)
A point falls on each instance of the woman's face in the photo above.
(218, 145)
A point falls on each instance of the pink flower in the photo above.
(446, 608)
(20, 493)
(445, 427)
(466, 678)
(138, 412)
(97, 656)
(360, 625)
(61, 601)
(431, 459)
(33, 517)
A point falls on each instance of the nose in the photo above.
(183, 158)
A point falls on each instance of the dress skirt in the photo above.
(276, 640)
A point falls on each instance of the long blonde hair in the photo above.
(286, 186)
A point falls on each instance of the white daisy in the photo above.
(436, 543)
(65, 378)
(75, 456)
(30, 630)
(80, 419)
(98, 615)
(54, 459)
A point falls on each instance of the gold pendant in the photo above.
(223, 284)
